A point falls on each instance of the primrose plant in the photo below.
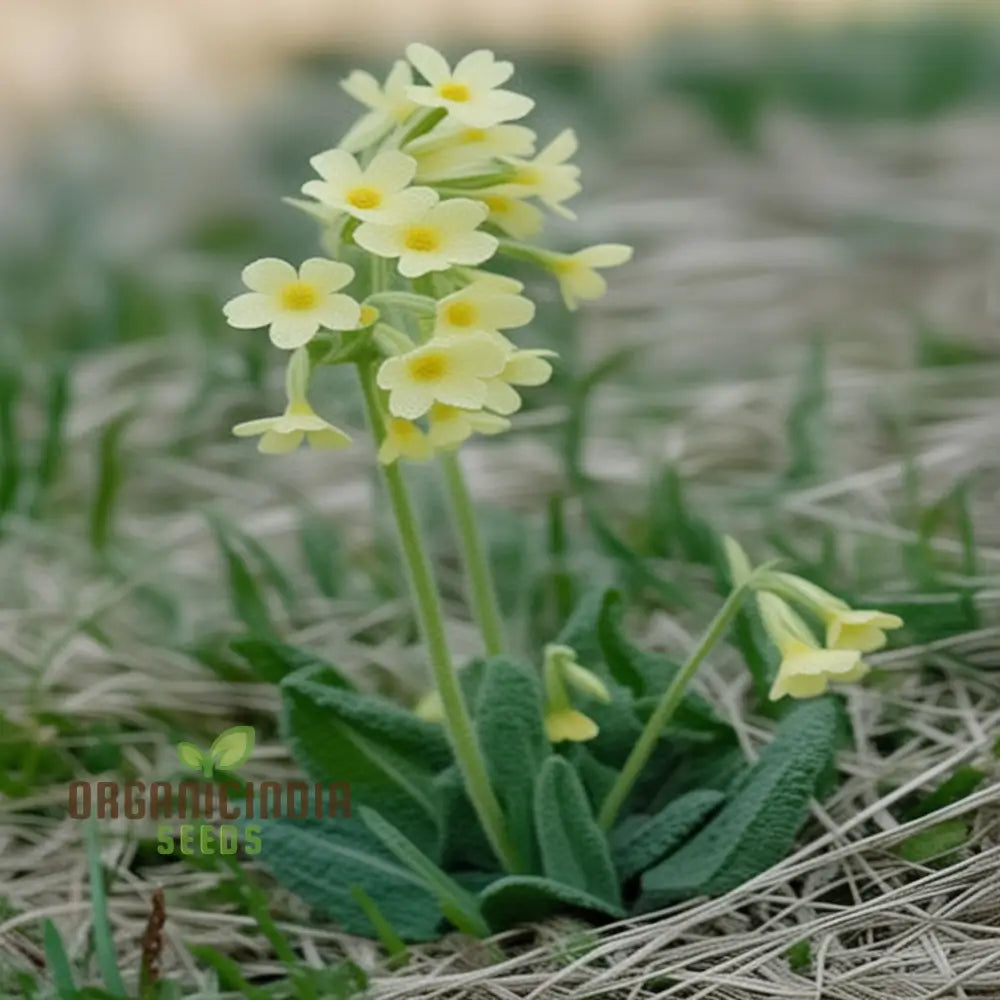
(593, 779)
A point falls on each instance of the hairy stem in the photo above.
(458, 722)
(666, 707)
(482, 590)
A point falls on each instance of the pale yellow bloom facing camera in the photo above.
(376, 193)
(294, 304)
(469, 93)
(433, 239)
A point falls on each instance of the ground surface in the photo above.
(880, 238)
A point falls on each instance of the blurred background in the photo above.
(806, 339)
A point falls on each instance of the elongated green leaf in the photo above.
(389, 756)
(110, 476)
(320, 861)
(58, 961)
(229, 972)
(323, 553)
(934, 842)
(521, 899)
(573, 847)
(10, 451)
(459, 906)
(245, 593)
(103, 941)
(53, 444)
(757, 827)
(273, 661)
(387, 934)
(641, 841)
(508, 719)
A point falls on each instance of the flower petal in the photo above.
(328, 439)
(274, 443)
(472, 248)
(251, 428)
(390, 171)
(363, 87)
(250, 310)
(336, 165)
(605, 255)
(428, 62)
(383, 241)
(482, 71)
(339, 312)
(326, 275)
(289, 332)
(268, 274)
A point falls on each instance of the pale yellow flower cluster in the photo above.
(808, 667)
(434, 179)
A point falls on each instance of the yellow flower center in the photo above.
(497, 203)
(440, 412)
(401, 429)
(461, 314)
(298, 296)
(423, 239)
(527, 175)
(428, 367)
(364, 197)
(567, 265)
(473, 135)
(453, 91)
(368, 315)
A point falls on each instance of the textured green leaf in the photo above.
(273, 661)
(389, 756)
(641, 841)
(320, 860)
(58, 961)
(509, 722)
(458, 905)
(464, 844)
(757, 827)
(573, 847)
(519, 899)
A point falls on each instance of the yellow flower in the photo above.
(452, 371)
(430, 708)
(294, 304)
(453, 150)
(806, 669)
(560, 672)
(469, 92)
(846, 627)
(480, 306)
(512, 214)
(576, 272)
(375, 193)
(404, 439)
(569, 725)
(548, 177)
(298, 423)
(432, 240)
(389, 104)
(527, 367)
(450, 425)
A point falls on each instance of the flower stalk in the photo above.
(475, 558)
(667, 705)
(457, 720)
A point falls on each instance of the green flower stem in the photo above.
(668, 703)
(458, 722)
(482, 591)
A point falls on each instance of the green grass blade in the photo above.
(53, 446)
(394, 945)
(110, 476)
(59, 965)
(104, 945)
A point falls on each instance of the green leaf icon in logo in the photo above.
(232, 748)
(229, 750)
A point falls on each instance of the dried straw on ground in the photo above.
(861, 237)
